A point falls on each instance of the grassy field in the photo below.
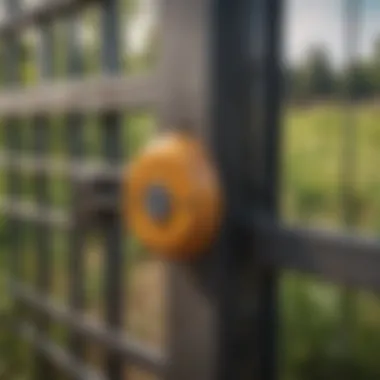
(314, 345)
(311, 337)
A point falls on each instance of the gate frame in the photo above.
(233, 50)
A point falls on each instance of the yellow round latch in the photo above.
(172, 197)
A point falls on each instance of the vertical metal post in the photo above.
(222, 315)
(111, 124)
(273, 92)
(240, 137)
(349, 157)
(12, 138)
(41, 138)
(75, 142)
(248, 95)
(183, 71)
(349, 160)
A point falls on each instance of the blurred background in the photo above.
(330, 178)
(331, 128)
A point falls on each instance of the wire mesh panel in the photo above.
(62, 156)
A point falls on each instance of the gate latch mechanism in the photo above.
(172, 198)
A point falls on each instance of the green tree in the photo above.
(359, 80)
(297, 84)
(319, 74)
(315, 78)
(376, 66)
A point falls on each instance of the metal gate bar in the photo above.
(82, 95)
(338, 257)
(13, 139)
(42, 234)
(12, 135)
(40, 14)
(74, 135)
(124, 345)
(111, 123)
(121, 93)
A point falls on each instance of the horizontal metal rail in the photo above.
(113, 93)
(338, 257)
(58, 356)
(31, 212)
(135, 352)
(44, 12)
(50, 166)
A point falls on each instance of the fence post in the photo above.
(220, 79)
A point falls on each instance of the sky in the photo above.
(307, 22)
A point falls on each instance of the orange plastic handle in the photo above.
(172, 198)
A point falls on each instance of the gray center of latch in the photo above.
(158, 203)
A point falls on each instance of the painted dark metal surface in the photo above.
(234, 79)
(43, 232)
(191, 319)
(111, 124)
(74, 134)
(42, 13)
(12, 137)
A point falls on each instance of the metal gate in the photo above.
(219, 75)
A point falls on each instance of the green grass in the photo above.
(313, 164)
(312, 318)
